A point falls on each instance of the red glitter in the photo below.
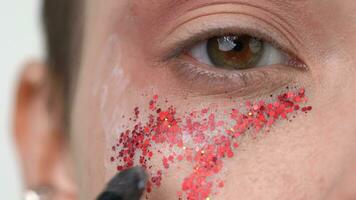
(204, 150)
(221, 184)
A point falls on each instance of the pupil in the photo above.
(239, 45)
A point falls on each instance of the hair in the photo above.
(63, 25)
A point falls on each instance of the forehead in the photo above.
(152, 12)
(181, 3)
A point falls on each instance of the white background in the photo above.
(20, 40)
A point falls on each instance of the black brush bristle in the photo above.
(109, 196)
(126, 185)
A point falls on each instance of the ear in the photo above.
(41, 141)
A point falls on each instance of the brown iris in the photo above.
(235, 51)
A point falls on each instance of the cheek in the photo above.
(102, 98)
(160, 136)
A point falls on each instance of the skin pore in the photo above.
(133, 50)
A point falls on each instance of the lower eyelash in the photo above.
(194, 73)
(208, 80)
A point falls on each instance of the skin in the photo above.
(310, 158)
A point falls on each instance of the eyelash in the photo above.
(186, 44)
(212, 81)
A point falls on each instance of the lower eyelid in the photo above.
(206, 80)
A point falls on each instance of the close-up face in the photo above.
(239, 99)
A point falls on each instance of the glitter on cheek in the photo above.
(198, 138)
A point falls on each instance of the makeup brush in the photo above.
(126, 185)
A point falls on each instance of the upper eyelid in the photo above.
(186, 45)
(255, 28)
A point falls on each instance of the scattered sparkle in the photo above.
(191, 137)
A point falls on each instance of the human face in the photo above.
(136, 49)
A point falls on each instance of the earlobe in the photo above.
(40, 138)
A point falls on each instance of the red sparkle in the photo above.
(209, 151)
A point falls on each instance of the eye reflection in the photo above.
(237, 52)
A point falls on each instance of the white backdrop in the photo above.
(20, 40)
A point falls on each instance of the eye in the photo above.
(237, 52)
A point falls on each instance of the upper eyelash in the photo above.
(185, 45)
